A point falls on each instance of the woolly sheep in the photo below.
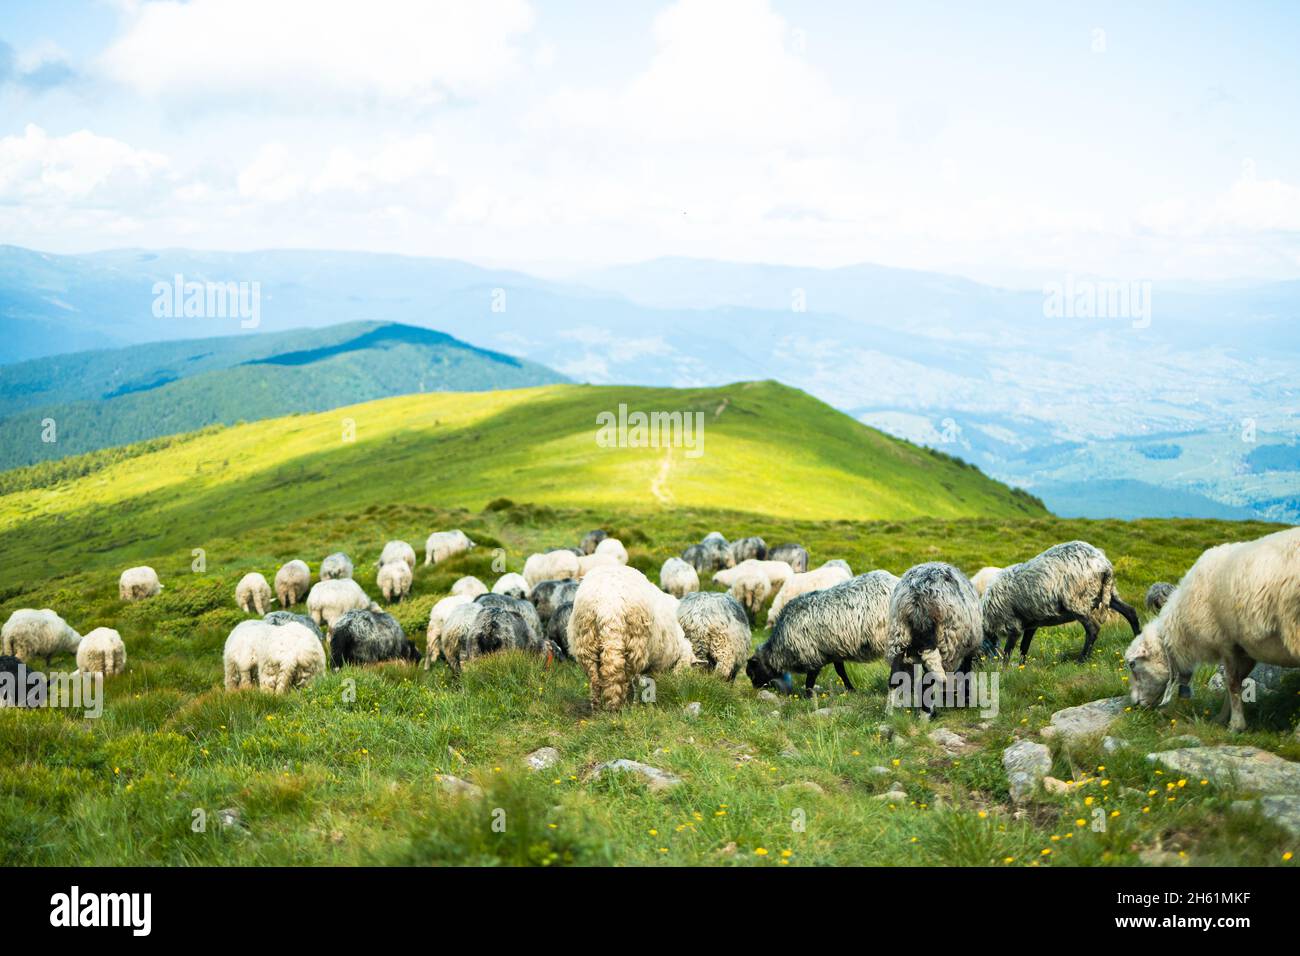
(511, 584)
(365, 637)
(521, 607)
(623, 626)
(777, 573)
(549, 595)
(934, 621)
(801, 583)
(292, 657)
(244, 651)
(744, 549)
(612, 547)
(101, 652)
(1068, 582)
(792, 554)
(588, 562)
(591, 539)
(552, 565)
(1239, 604)
(454, 633)
(288, 617)
(252, 593)
(496, 627)
(336, 567)
(848, 621)
(678, 578)
(437, 621)
(397, 551)
(292, 582)
(557, 628)
(1158, 596)
(394, 580)
(980, 579)
(19, 686)
(136, 584)
(469, 586)
(330, 600)
(838, 563)
(713, 537)
(30, 633)
(751, 589)
(442, 545)
(717, 629)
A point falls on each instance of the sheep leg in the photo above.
(1235, 671)
(844, 676)
(810, 682)
(1130, 615)
(1090, 631)
(1010, 646)
(1024, 642)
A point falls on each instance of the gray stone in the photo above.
(1026, 763)
(880, 771)
(1113, 745)
(891, 796)
(822, 712)
(767, 695)
(693, 708)
(1265, 677)
(954, 744)
(1282, 809)
(1094, 717)
(231, 817)
(1248, 769)
(655, 779)
(542, 758)
(456, 787)
(1055, 787)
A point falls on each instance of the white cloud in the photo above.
(80, 167)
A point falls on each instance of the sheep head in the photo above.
(1151, 677)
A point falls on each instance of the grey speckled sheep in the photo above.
(846, 622)
(745, 549)
(1158, 595)
(557, 628)
(838, 563)
(335, 567)
(292, 582)
(710, 555)
(549, 595)
(591, 539)
(792, 554)
(1068, 582)
(934, 620)
(718, 630)
(252, 593)
(523, 608)
(496, 627)
(288, 617)
(30, 633)
(366, 637)
(678, 578)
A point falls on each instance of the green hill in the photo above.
(118, 396)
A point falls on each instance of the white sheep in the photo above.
(292, 582)
(437, 620)
(777, 572)
(292, 657)
(330, 600)
(245, 647)
(828, 575)
(588, 562)
(553, 565)
(397, 551)
(614, 548)
(394, 580)
(30, 633)
(136, 584)
(678, 578)
(253, 593)
(470, 586)
(982, 578)
(623, 626)
(101, 652)
(1239, 604)
(751, 588)
(335, 567)
(442, 545)
(515, 585)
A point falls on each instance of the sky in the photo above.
(1009, 142)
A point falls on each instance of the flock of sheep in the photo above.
(1239, 604)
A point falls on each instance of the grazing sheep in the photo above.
(553, 565)
(751, 589)
(792, 554)
(460, 621)
(745, 549)
(512, 585)
(589, 561)
(18, 685)
(845, 622)
(717, 629)
(335, 567)
(614, 548)
(557, 628)
(1239, 604)
(252, 593)
(983, 577)
(291, 658)
(802, 583)
(591, 539)
(437, 621)
(698, 557)
(838, 563)
(521, 607)
(718, 551)
(549, 595)
(30, 633)
(777, 572)
(496, 627)
(101, 652)
(136, 584)
(330, 600)
(442, 545)
(394, 581)
(288, 617)
(366, 637)
(469, 586)
(292, 582)
(678, 578)
(244, 651)
(1158, 596)
(623, 626)
(397, 551)
(1067, 582)
(713, 537)
(934, 620)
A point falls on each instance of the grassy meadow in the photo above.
(347, 770)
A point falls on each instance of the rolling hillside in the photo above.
(767, 450)
(113, 397)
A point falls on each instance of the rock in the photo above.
(1074, 723)
(879, 771)
(822, 712)
(1265, 677)
(891, 796)
(954, 744)
(1244, 768)
(1055, 786)
(886, 731)
(655, 779)
(1113, 745)
(1282, 809)
(804, 785)
(231, 817)
(542, 758)
(693, 708)
(767, 695)
(456, 787)
(1026, 763)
